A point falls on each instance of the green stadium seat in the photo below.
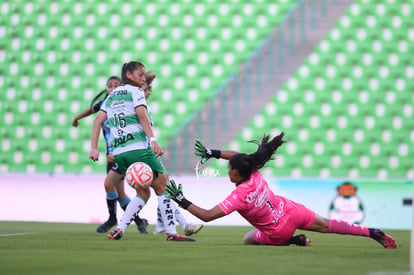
(86, 51)
(358, 121)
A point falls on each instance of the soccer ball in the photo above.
(139, 175)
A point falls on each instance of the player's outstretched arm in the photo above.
(206, 153)
(227, 154)
(85, 113)
(96, 128)
(176, 193)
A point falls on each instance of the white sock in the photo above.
(179, 216)
(167, 214)
(160, 225)
(131, 212)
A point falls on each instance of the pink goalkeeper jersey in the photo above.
(257, 204)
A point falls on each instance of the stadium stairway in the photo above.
(229, 112)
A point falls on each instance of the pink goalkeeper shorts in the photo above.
(297, 216)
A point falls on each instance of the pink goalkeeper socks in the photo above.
(342, 227)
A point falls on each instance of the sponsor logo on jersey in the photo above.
(121, 140)
(252, 196)
(121, 92)
(117, 104)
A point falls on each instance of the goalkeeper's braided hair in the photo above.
(246, 164)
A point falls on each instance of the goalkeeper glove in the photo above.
(204, 152)
(176, 194)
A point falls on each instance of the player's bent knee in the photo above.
(249, 238)
(144, 193)
(158, 184)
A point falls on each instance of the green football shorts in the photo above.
(164, 170)
(124, 160)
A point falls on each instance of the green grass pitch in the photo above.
(70, 248)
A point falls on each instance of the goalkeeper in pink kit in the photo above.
(275, 218)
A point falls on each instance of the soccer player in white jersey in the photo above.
(133, 140)
(114, 181)
(188, 228)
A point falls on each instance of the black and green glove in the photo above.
(204, 152)
(176, 194)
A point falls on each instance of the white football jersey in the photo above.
(126, 131)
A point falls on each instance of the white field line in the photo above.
(17, 234)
